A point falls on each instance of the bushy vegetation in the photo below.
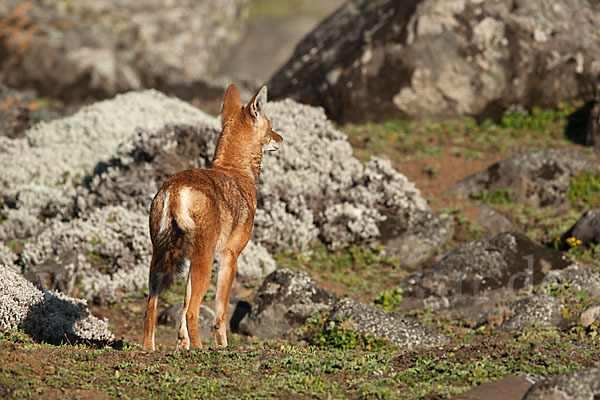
(584, 190)
(353, 270)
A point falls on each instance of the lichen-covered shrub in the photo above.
(40, 170)
(317, 188)
(7, 257)
(111, 248)
(47, 316)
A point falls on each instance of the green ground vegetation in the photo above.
(464, 137)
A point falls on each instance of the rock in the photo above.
(20, 110)
(394, 328)
(47, 316)
(171, 316)
(580, 385)
(580, 278)
(480, 273)
(592, 133)
(509, 388)
(586, 229)
(540, 178)
(415, 237)
(437, 59)
(283, 302)
(540, 309)
(492, 221)
(589, 316)
(101, 48)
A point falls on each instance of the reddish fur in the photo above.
(221, 204)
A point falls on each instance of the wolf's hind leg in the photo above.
(198, 282)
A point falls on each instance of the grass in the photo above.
(500, 197)
(584, 190)
(462, 137)
(285, 10)
(352, 271)
(340, 364)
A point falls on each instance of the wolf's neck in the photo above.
(238, 155)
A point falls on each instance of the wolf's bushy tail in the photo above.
(171, 251)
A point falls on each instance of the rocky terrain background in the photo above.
(432, 242)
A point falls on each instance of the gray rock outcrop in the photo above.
(284, 301)
(81, 50)
(394, 328)
(480, 273)
(580, 277)
(437, 59)
(540, 178)
(580, 385)
(491, 220)
(589, 316)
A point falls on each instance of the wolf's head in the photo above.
(252, 116)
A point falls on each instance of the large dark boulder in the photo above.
(476, 276)
(80, 50)
(435, 59)
(592, 133)
(414, 237)
(284, 301)
(540, 178)
(586, 229)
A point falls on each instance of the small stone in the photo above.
(589, 316)
(400, 331)
(542, 310)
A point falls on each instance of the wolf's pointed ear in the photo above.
(256, 106)
(232, 103)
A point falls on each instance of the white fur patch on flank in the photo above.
(165, 213)
(186, 221)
